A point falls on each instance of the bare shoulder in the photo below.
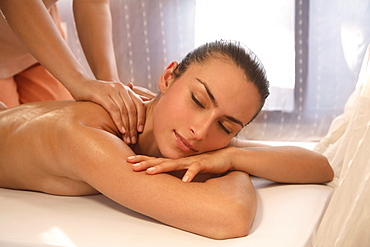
(57, 141)
(91, 115)
(58, 112)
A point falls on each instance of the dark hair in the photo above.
(239, 54)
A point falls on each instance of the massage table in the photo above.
(287, 216)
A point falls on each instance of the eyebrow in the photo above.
(214, 102)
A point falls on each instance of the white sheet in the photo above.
(287, 216)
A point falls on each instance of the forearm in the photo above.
(94, 26)
(219, 208)
(282, 164)
(33, 25)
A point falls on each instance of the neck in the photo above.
(146, 143)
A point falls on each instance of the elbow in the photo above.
(233, 221)
(231, 212)
(235, 225)
(239, 227)
(327, 172)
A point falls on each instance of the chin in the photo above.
(172, 155)
(169, 153)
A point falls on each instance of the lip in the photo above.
(183, 144)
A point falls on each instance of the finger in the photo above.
(143, 98)
(122, 120)
(130, 85)
(145, 165)
(129, 113)
(138, 158)
(168, 166)
(141, 91)
(115, 113)
(122, 100)
(140, 109)
(193, 170)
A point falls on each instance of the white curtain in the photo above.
(330, 41)
(148, 35)
(347, 219)
(267, 28)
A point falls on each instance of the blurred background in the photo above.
(312, 51)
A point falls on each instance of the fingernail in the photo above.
(150, 169)
(140, 128)
(128, 140)
(133, 140)
(131, 157)
(123, 130)
(185, 178)
(136, 164)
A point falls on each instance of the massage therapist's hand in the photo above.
(216, 162)
(124, 106)
(145, 94)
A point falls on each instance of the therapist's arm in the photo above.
(34, 27)
(94, 26)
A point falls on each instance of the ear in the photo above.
(166, 78)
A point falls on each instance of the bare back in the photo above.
(37, 148)
(68, 148)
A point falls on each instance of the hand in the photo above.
(145, 94)
(124, 106)
(217, 162)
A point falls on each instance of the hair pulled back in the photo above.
(239, 54)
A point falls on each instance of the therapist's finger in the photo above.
(140, 111)
(129, 116)
(110, 105)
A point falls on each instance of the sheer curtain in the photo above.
(148, 35)
(267, 31)
(330, 39)
(347, 219)
(254, 25)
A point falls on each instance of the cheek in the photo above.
(216, 140)
(169, 114)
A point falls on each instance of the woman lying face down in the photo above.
(74, 148)
(203, 105)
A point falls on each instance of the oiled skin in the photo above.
(74, 148)
(35, 145)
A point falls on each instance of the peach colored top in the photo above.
(14, 57)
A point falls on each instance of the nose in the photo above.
(200, 129)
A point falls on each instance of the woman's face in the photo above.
(203, 109)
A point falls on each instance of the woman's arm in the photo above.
(33, 25)
(286, 164)
(218, 208)
(94, 26)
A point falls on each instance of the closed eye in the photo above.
(224, 128)
(197, 101)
